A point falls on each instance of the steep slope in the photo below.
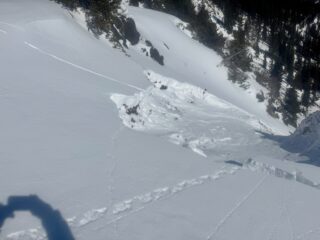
(189, 116)
(305, 140)
(62, 138)
(189, 61)
(271, 44)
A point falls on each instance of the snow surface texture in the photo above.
(189, 61)
(188, 115)
(62, 138)
(306, 139)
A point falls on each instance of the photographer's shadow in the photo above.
(52, 221)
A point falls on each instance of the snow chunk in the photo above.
(122, 207)
(31, 234)
(92, 216)
(187, 115)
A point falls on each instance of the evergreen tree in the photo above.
(291, 107)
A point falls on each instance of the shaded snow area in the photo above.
(306, 139)
(189, 116)
(122, 178)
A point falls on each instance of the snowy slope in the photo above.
(306, 139)
(189, 61)
(65, 136)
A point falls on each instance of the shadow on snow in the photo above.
(52, 221)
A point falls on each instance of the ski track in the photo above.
(126, 208)
(275, 227)
(121, 210)
(114, 160)
(288, 217)
(81, 68)
(223, 221)
(282, 214)
(139, 203)
(116, 212)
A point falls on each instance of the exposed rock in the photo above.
(154, 53)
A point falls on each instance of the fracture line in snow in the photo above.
(278, 172)
(82, 68)
(237, 206)
(256, 166)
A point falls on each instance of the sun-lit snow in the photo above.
(189, 116)
(67, 137)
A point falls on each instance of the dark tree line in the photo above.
(292, 31)
(205, 30)
(103, 18)
(288, 28)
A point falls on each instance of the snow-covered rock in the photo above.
(306, 138)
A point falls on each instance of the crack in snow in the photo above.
(280, 173)
(81, 67)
